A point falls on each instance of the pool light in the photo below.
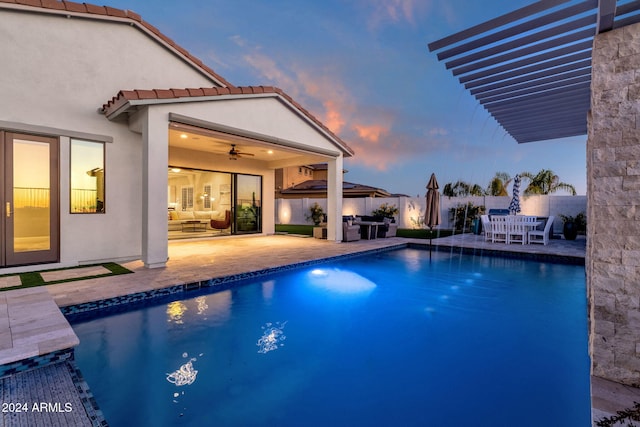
(342, 282)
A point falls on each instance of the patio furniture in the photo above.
(486, 226)
(392, 229)
(541, 236)
(368, 229)
(388, 229)
(516, 230)
(320, 232)
(350, 231)
(499, 232)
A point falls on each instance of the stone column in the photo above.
(334, 198)
(613, 217)
(155, 160)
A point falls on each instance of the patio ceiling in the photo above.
(531, 68)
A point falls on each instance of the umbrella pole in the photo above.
(430, 241)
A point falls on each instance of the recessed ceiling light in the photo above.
(176, 170)
(183, 136)
(269, 151)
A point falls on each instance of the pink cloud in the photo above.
(395, 11)
(368, 130)
(371, 133)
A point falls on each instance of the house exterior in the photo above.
(107, 126)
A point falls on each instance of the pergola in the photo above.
(531, 68)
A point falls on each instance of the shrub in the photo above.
(463, 215)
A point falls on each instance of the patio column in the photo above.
(613, 196)
(155, 159)
(334, 198)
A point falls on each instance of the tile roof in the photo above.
(109, 13)
(348, 188)
(128, 98)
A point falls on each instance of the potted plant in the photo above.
(572, 225)
(386, 210)
(316, 214)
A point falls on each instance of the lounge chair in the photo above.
(541, 236)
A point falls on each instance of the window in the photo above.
(187, 198)
(87, 177)
(206, 196)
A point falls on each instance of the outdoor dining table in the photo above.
(512, 222)
(369, 229)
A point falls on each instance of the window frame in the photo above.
(72, 140)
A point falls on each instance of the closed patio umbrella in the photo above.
(514, 206)
(432, 214)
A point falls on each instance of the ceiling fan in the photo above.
(234, 154)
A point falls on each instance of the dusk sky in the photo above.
(363, 68)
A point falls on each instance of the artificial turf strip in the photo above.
(32, 279)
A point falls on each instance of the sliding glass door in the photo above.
(248, 203)
(206, 203)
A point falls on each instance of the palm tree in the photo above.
(498, 184)
(545, 182)
(461, 189)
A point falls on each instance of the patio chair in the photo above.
(499, 232)
(350, 231)
(516, 230)
(486, 227)
(541, 236)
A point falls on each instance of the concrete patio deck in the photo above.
(199, 260)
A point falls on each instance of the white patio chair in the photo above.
(499, 229)
(517, 231)
(541, 236)
(486, 227)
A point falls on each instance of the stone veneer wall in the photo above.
(613, 184)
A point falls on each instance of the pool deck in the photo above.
(195, 261)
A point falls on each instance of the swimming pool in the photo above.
(389, 339)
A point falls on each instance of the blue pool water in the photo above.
(386, 340)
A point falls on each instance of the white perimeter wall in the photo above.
(294, 211)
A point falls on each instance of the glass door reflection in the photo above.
(248, 204)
